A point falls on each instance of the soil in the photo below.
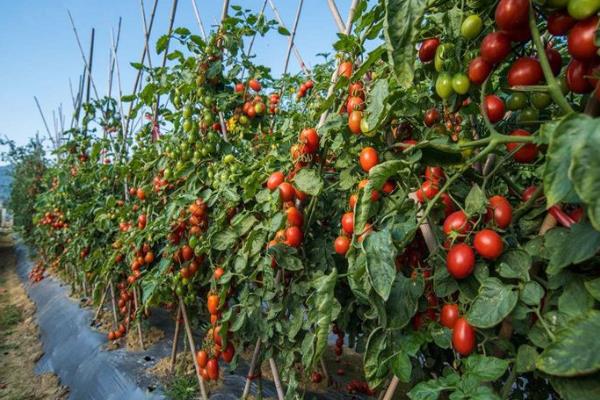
(20, 346)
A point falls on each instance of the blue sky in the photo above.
(40, 54)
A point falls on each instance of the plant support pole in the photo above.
(139, 323)
(175, 338)
(275, 372)
(251, 370)
(192, 345)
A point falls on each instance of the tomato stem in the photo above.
(553, 86)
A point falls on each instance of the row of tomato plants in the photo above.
(437, 209)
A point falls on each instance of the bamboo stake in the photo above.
(389, 393)
(37, 103)
(139, 322)
(336, 15)
(90, 62)
(192, 345)
(292, 36)
(114, 305)
(102, 299)
(295, 48)
(224, 11)
(164, 61)
(85, 61)
(275, 373)
(250, 375)
(325, 373)
(198, 19)
(175, 338)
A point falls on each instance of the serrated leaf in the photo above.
(493, 303)
(309, 181)
(476, 202)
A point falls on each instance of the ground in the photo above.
(20, 346)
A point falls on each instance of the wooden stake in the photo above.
(87, 65)
(295, 48)
(102, 299)
(224, 11)
(325, 373)
(139, 323)
(275, 373)
(114, 305)
(166, 51)
(292, 36)
(190, 337)
(175, 339)
(389, 393)
(198, 19)
(250, 375)
(90, 61)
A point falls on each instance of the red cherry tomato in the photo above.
(348, 222)
(428, 190)
(576, 77)
(368, 158)
(527, 153)
(525, 71)
(427, 49)
(581, 39)
(479, 70)
(560, 22)
(554, 59)
(460, 261)
(212, 369)
(355, 103)
(432, 117)
(434, 174)
(488, 244)
(500, 211)
(286, 191)
(457, 223)
(293, 236)
(511, 14)
(527, 193)
(275, 180)
(341, 245)
(495, 47)
(294, 217)
(463, 337)
(310, 139)
(449, 315)
(228, 353)
(494, 108)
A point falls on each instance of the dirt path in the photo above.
(20, 347)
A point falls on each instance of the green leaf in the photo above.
(283, 31)
(485, 368)
(557, 185)
(401, 26)
(373, 356)
(224, 240)
(476, 202)
(576, 350)
(402, 367)
(376, 104)
(532, 293)
(324, 297)
(428, 390)
(161, 43)
(514, 264)
(563, 253)
(403, 302)
(575, 299)
(309, 181)
(525, 361)
(285, 257)
(593, 287)
(492, 304)
(583, 388)
(381, 254)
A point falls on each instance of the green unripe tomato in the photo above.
(364, 128)
(188, 125)
(187, 111)
(229, 158)
(516, 101)
(167, 173)
(460, 83)
(179, 291)
(193, 242)
(244, 120)
(582, 9)
(541, 100)
(528, 115)
(471, 27)
(443, 85)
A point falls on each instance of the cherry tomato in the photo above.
(527, 193)
(213, 304)
(345, 69)
(494, 108)
(293, 236)
(525, 71)
(560, 22)
(427, 49)
(294, 217)
(443, 85)
(341, 245)
(310, 140)
(441, 56)
(576, 77)
(495, 47)
(582, 9)
(516, 101)
(212, 369)
(479, 70)
(388, 187)
(541, 100)
(525, 154)
(511, 14)
(488, 244)
(374, 194)
(254, 85)
(463, 337)
(449, 315)
(354, 121)
(368, 158)
(554, 59)
(528, 115)
(348, 222)
(354, 103)
(460, 261)
(228, 353)
(432, 117)
(457, 223)
(275, 180)
(434, 174)
(286, 192)
(471, 27)
(428, 190)
(460, 83)
(581, 39)
(500, 211)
